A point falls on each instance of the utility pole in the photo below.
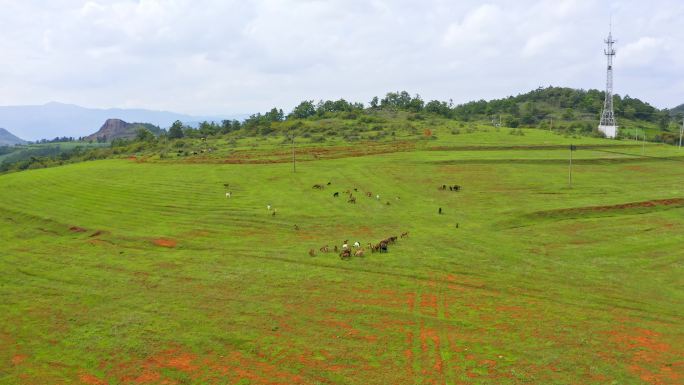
(643, 144)
(294, 161)
(572, 148)
(681, 133)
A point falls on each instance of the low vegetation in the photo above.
(203, 261)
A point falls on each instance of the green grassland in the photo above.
(141, 271)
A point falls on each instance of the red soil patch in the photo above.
(18, 359)
(89, 379)
(165, 242)
(308, 153)
(77, 229)
(624, 206)
(231, 368)
(411, 301)
(428, 304)
(652, 360)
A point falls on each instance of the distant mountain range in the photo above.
(57, 119)
(8, 139)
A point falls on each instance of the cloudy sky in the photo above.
(225, 56)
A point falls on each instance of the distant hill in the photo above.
(119, 129)
(9, 139)
(58, 119)
(677, 110)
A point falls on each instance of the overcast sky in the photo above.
(224, 56)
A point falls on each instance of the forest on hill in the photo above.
(565, 111)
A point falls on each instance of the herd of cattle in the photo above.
(346, 252)
(350, 195)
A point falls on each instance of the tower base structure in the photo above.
(609, 131)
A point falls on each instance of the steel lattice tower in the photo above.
(608, 125)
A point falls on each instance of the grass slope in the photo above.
(125, 272)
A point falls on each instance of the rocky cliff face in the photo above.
(113, 129)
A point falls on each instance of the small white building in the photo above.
(609, 131)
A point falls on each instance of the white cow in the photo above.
(228, 194)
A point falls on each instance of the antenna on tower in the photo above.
(608, 125)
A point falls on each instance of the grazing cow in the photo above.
(335, 195)
(345, 246)
(388, 204)
(318, 186)
(312, 253)
(226, 185)
(359, 253)
(336, 249)
(451, 188)
(329, 183)
(356, 189)
(324, 249)
(228, 194)
(369, 194)
(345, 254)
(440, 211)
(352, 200)
(357, 244)
(457, 225)
(274, 212)
(405, 235)
(268, 207)
(443, 187)
(383, 247)
(296, 227)
(377, 197)
(456, 187)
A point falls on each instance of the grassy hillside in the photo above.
(398, 116)
(140, 270)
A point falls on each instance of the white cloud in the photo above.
(212, 57)
(643, 52)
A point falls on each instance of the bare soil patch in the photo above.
(165, 242)
(623, 207)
